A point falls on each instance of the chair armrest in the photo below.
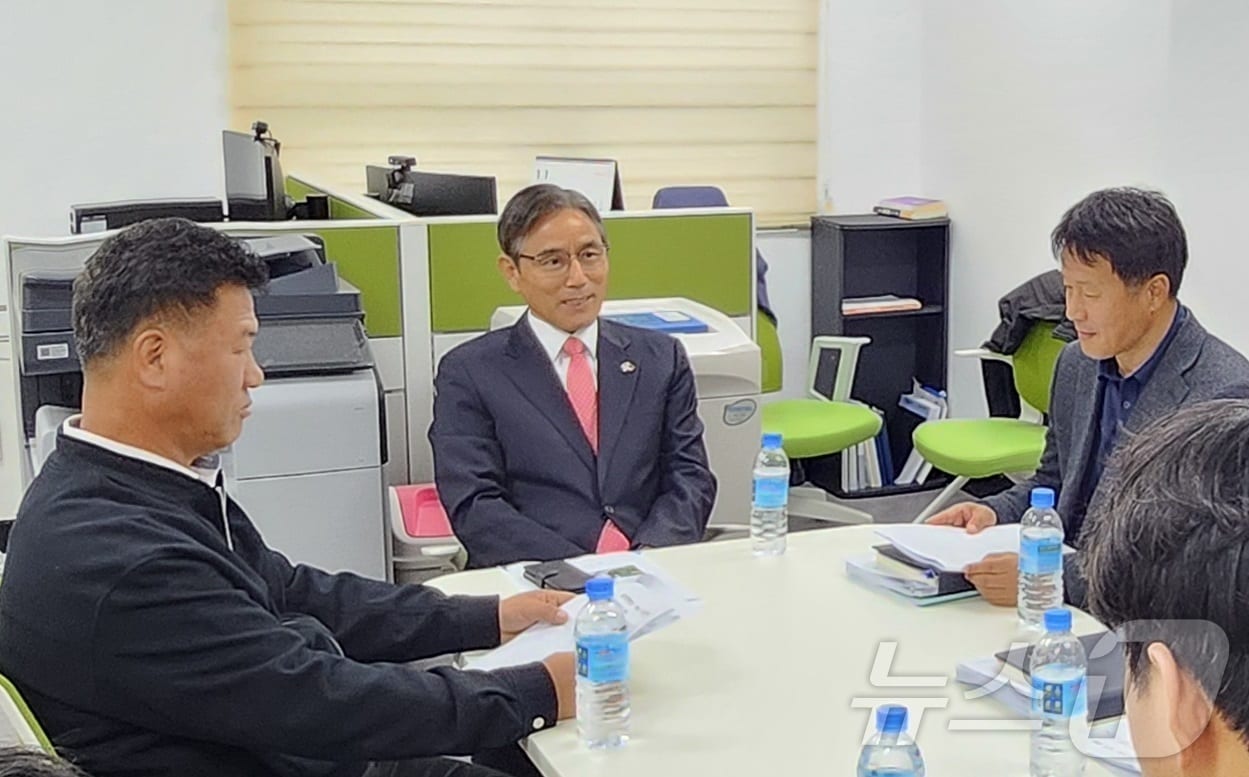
(984, 354)
(843, 381)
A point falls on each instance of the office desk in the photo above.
(775, 675)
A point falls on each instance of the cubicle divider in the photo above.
(426, 285)
(449, 283)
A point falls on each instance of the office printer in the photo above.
(307, 466)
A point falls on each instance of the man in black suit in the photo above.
(565, 434)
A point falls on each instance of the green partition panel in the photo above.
(339, 209)
(368, 258)
(707, 258)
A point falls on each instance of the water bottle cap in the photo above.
(772, 440)
(600, 588)
(1042, 498)
(891, 719)
(1058, 620)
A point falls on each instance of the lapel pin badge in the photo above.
(627, 367)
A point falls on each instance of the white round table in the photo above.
(780, 672)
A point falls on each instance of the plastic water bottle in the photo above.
(1059, 671)
(890, 752)
(769, 521)
(1040, 559)
(602, 667)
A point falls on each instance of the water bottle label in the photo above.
(1059, 699)
(770, 493)
(1040, 555)
(603, 658)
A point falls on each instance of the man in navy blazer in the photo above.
(565, 434)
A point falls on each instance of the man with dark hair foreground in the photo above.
(1139, 356)
(1167, 562)
(29, 762)
(142, 616)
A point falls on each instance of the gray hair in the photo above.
(534, 203)
(1166, 543)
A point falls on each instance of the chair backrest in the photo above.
(1034, 364)
(689, 197)
(18, 727)
(766, 336)
(769, 351)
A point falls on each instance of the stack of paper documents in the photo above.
(949, 548)
(926, 563)
(866, 568)
(651, 599)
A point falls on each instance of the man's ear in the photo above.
(510, 272)
(1184, 702)
(149, 350)
(1159, 290)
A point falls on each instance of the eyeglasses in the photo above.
(557, 262)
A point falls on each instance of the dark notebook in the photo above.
(947, 582)
(1105, 675)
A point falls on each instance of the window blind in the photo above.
(716, 92)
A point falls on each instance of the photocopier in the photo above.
(308, 465)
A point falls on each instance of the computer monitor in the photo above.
(100, 216)
(434, 194)
(255, 187)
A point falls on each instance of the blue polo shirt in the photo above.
(1116, 397)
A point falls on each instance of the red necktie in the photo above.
(583, 394)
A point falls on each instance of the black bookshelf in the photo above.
(867, 256)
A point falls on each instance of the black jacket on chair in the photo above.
(1039, 299)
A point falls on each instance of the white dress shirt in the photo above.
(207, 473)
(553, 339)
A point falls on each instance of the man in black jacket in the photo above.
(146, 622)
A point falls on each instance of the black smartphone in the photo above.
(557, 575)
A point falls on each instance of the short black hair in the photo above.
(1167, 549)
(29, 762)
(156, 267)
(534, 203)
(1136, 230)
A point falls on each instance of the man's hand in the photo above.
(996, 577)
(519, 612)
(975, 517)
(563, 670)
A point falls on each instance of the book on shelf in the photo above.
(929, 404)
(884, 303)
(868, 464)
(912, 208)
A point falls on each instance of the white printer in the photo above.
(308, 465)
(726, 364)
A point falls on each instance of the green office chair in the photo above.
(979, 448)
(820, 425)
(769, 341)
(18, 727)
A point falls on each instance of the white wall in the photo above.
(102, 101)
(108, 100)
(1013, 110)
(1206, 160)
(870, 105)
(1027, 107)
